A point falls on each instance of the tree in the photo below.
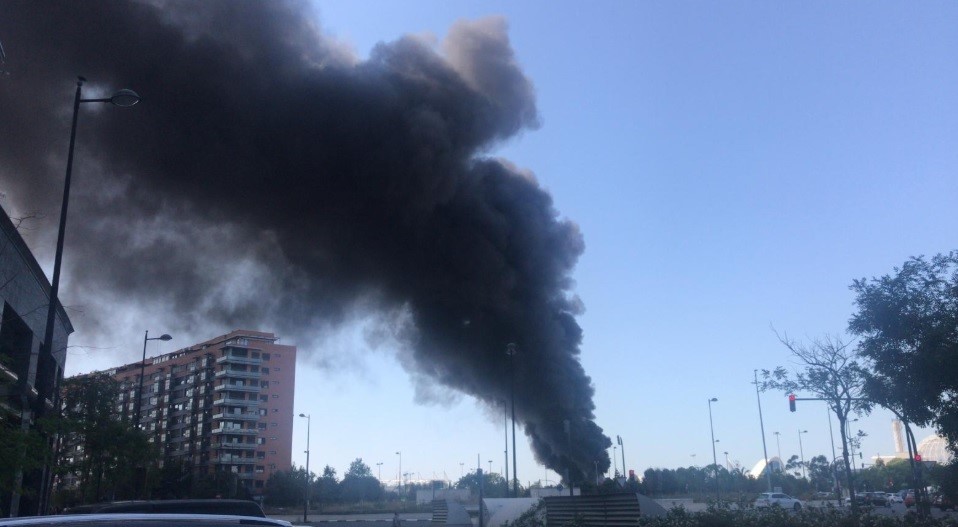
(830, 371)
(326, 487)
(107, 455)
(358, 469)
(286, 488)
(359, 484)
(908, 326)
(493, 484)
(821, 473)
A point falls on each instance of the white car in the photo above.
(777, 499)
(894, 497)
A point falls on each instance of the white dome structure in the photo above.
(935, 448)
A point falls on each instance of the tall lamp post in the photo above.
(761, 421)
(399, 453)
(139, 393)
(618, 439)
(801, 450)
(778, 447)
(712, 431)
(511, 350)
(306, 491)
(379, 466)
(505, 428)
(123, 99)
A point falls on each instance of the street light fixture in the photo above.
(139, 394)
(306, 491)
(778, 446)
(712, 431)
(399, 453)
(801, 450)
(511, 350)
(123, 99)
(379, 467)
(618, 439)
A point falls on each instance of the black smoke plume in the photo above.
(268, 176)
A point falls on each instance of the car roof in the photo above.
(217, 506)
(146, 519)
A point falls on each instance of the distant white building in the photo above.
(775, 463)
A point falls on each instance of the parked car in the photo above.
(909, 500)
(777, 499)
(824, 495)
(942, 502)
(142, 520)
(894, 497)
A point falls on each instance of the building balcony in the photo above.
(230, 401)
(245, 475)
(226, 445)
(7, 374)
(232, 460)
(233, 359)
(236, 388)
(244, 416)
(236, 431)
(238, 374)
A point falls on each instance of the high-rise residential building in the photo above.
(221, 405)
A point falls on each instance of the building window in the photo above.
(275, 396)
(275, 410)
(275, 382)
(266, 356)
(265, 371)
(273, 425)
(273, 438)
(272, 452)
(275, 369)
(260, 441)
(261, 426)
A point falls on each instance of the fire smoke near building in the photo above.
(340, 185)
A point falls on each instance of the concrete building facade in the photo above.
(29, 375)
(221, 405)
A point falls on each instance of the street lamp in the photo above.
(511, 350)
(801, 450)
(306, 491)
(139, 393)
(462, 470)
(379, 467)
(400, 472)
(778, 446)
(123, 99)
(728, 466)
(615, 461)
(712, 430)
(490, 466)
(618, 439)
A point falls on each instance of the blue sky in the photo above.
(731, 167)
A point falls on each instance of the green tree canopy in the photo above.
(908, 325)
(358, 469)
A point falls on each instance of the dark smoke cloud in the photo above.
(269, 177)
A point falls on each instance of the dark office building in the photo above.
(29, 379)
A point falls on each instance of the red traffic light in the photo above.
(791, 402)
(917, 457)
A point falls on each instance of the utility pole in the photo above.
(761, 421)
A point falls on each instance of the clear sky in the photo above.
(731, 167)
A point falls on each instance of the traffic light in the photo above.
(791, 402)
(917, 457)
